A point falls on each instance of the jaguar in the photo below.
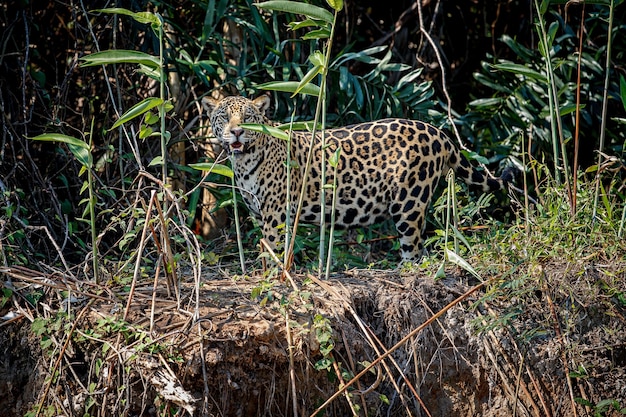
(386, 169)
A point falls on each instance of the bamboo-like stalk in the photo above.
(92, 213)
(236, 214)
(318, 112)
(553, 104)
(607, 74)
(577, 128)
(331, 240)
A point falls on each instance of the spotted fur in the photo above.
(387, 169)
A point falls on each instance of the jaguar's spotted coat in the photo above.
(387, 168)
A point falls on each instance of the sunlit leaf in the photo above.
(296, 7)
(141, 17)
(457, 260)
(335, 4)
(79, 149)
(120, 56)
(521, 70)
(322, 33)
(268, 130)
(82, 154)
(486, 102)
(308, 77)
(218, 169)
(57, 137)
(157, 160)
(304, 24)
(291, 86)
(137, 110)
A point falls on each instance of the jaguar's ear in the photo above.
(262, 103)
(209, 104)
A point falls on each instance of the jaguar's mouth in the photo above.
(236, 147)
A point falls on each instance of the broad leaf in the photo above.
(308, 77)
(457, 260)
(268, 130)
(141, 17)
(57, 137)
(335, 4)
(120, 56)
(218, 169)
(137, 110)
(157, 160)
(521, 70)
(79, 149)
(295, 7)
(290, 87)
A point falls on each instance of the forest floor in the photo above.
(546, 340)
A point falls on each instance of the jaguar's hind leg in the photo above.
(410, 220)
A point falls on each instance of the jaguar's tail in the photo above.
(478, 179)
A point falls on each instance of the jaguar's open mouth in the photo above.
(236, 147)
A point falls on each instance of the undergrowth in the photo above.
(536, 270)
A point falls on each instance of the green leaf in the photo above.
(322, 33)
(317, 59)
(304, 24)
(157, 160)
(57, 137)
(79, 149)
(137, 110)
(308, 77)
(335, 4)
(554, 26)
(154, 73)
(145, 131)
(486, 102)
(141, 17)
(268, 130)
(218, 169)
(473, 156)
(457, 260)
(290, 87)
(295, 7)
(333, 161)
(521, 70)
(120, 56)
(441, 272)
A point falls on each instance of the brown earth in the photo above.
(506, 349)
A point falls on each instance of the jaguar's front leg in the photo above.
(272, 233)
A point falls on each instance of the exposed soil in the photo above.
(509, 354)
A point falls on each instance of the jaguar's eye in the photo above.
(249, 115)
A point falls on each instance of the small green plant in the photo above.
(82, 152)
(324, 336)
(601, 408)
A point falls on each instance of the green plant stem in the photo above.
(577, 128)
(333, 215)
(607, 73)
(92, 214)
(307, 167)
(553, 103)
(288, 202)
(322, 98)
(164, 138)
(323, 182)
(236, 214)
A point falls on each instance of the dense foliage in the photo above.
(495, 67)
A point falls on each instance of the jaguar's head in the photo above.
(228, 114)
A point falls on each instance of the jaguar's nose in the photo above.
(236, 131)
